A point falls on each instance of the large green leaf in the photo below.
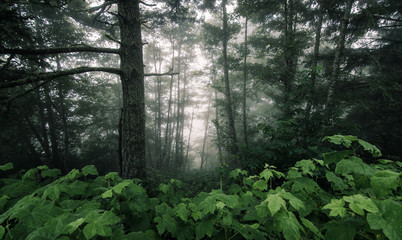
(338, 183)
(260, 185)
(370, 148)
(96, 228)
(165, 222)
(358, 203)
(6, 166)
(335, 157)
(205, 227)
(275, 202)
(89, 170)
(182, 211)
(387, 219)
(308, 224)
(345, 140)
(288, 225)
(337, 208)
(354, 165)
(384, 181)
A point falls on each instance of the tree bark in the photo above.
(337, 59)
(233, 148)
(132, 78)
(245, 87)
(205, 133)
(314, 62)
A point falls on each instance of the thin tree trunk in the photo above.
(337, 59)
(45, 140)
(178, 160)
(314, 62)
(245, 89)
(205, 133)
(234, 149)
(189, 137)
(132, 78)
(63, 116)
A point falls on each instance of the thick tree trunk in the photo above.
(337, 59)
(132, 78)
(234, 149)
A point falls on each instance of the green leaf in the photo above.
(387, 219)
(236, 173)
(95, 228)
(2, 231)
(107, 194)
(275, 202)
(50, 172)
(71, 227)
(370, 148)
(335, 157)
(336, 207)
(260, 185)
(262, 210)
(289, 225)
(119, 187)
(165, 222)
(354, 165)
(345, 140)
(358, 203)
(384, 181)
(220, 205)
(307, 166)
(266, 174)
(338, 183)
(73, 174)
(312, 227)
(112, 176)
(163, 188)
(89, 170)
(182, 211)
(7, 166)
(340, 230)
(30, 174)
(205, 227)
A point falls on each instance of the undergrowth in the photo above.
(336, 197)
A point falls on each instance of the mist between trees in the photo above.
(176, 86)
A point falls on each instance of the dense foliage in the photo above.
(337, 197)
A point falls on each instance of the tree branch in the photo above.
(147, 4)
(47, 76)
(46, 51)
(160, 74)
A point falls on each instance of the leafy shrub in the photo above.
(336, 197)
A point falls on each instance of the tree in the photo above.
(131, 72)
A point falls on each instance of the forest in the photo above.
(209, 119)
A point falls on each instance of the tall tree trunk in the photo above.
(178, 160)
(64, 117)
(44, 138)
(337, 59)
(289, 54)
(234, 149)
(189, 138)
(314, 61)
(132, 78)
(245, 88)
(205, 133)
(52, 127)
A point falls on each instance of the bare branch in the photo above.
(147, 4)
(160, 74)
(71, 49)
(53, 75)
